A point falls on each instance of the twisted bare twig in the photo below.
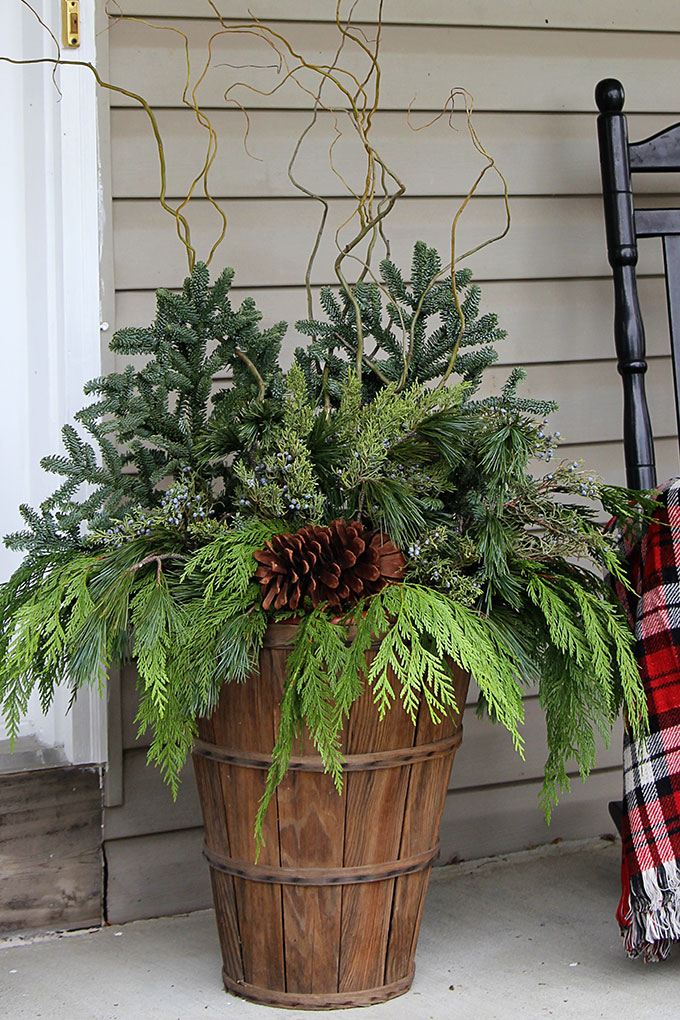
(355, 97)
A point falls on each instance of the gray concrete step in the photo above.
(529, 935)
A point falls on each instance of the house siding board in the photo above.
(152, 808)
(529, 252)
(544, 155)
(521, 70)
(165, 873)
(492, 820)
(586, 305)
(487, 758)
(154, 875)
(546, 15)
(532, 69)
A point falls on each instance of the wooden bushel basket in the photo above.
(329, 916)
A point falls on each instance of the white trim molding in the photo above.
(49, 288)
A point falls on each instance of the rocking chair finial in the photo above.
(609, 95)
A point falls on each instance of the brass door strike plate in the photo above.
(70, 22)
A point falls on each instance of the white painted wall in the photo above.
(49, 293)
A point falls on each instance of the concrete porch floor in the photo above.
(528, 935)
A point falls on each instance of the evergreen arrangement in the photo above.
(369, 485)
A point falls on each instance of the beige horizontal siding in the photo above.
(589, 397)
(487, 756)
(152, 805)
(609, 15)
(150, 876)
(541, 154)
(607, 459)
(269, 242)
(546, 320)
(505, 71)
(532, 69)
(164, 872)
(501, 819)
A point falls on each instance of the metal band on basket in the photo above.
(321, 876)
(317, 1000)
(352, 762)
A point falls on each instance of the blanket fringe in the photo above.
(653, 916)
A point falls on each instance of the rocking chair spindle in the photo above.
(619, 160)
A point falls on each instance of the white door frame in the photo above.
(49, 287)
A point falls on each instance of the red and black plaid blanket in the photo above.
(649, 911)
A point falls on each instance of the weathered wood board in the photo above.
(50, 849)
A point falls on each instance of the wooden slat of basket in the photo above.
(211, 796)
(425, 798)
(374, 821)
(248, 724)
(311, 833)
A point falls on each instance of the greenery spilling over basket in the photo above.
(369, 497)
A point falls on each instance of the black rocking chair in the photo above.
(619, 160)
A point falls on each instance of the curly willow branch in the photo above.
(201, 118)
(359, 101)
(54, 39)
(362, 101)
(311, 194)
(183, 231)
(451, 267)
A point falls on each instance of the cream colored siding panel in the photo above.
(501, 819)
(150, 876)
(507, 71)
(546, 320)
(550, 237)
(129, 700)
(589, 397)
(606, 459)
(165, 872)
(152, 805)
(487, 755)
(612, 15)
(540, 153)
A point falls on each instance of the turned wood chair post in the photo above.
(619, 159)
(622, 251)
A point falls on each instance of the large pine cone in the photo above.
(338, 564)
